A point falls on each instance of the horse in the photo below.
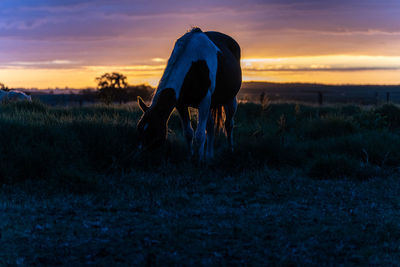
(203, 72)
(13, 96)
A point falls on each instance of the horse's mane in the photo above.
(179, 48)
(181, 43)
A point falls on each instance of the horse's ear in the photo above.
(141, 104)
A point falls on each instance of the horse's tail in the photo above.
(218, 115)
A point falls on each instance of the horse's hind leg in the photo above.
(210, 136)
(186, 126)
(230, 110)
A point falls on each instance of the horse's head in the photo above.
(152, 127)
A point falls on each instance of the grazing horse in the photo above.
(202, 72)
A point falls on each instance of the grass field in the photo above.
(306, 185)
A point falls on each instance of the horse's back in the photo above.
(229, 74)
(223, 42)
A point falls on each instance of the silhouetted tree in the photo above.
(3, 87)
(112, 87)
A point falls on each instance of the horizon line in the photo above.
(244, 82)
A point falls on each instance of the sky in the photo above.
(68, 43)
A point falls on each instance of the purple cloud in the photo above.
(126, 32)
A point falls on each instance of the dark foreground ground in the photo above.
(306, 186)
(257, 217)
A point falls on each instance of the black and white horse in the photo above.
(203, 72)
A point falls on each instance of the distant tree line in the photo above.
(113, 87)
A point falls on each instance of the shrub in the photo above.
(380, 147)
(370, 120)
(329, 126)
(350, 110)
(391, 114)
(248, 112)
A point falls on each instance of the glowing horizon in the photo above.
(48, 44)
(340, 69)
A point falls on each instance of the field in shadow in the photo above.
(305, 185)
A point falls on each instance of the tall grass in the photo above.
(63, 144)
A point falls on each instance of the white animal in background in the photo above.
(3, 96)
(14, 96)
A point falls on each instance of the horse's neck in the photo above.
(174, 76)
(164, 102)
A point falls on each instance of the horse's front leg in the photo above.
(186, 126)
(230, 110)
(200, 136)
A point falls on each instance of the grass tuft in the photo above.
(391, 114)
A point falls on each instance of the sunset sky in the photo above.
(59, 43)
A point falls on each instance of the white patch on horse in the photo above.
(188, 49)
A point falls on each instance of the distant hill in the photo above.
(308, 92)
(253, 87)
